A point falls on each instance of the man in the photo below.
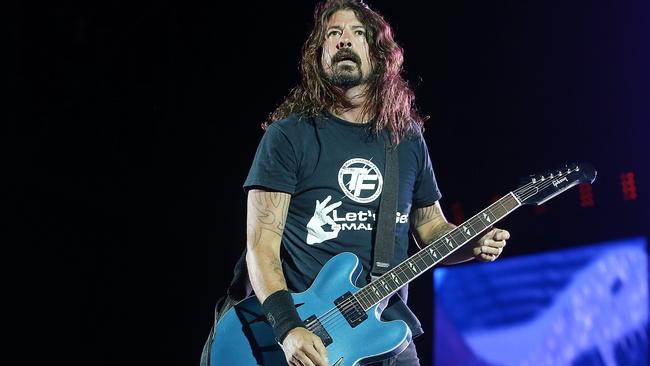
(314, 185)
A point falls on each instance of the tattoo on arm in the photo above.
(277, 267)
(424, 215)
(429, 224)
(267, 212)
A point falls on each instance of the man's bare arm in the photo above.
(265, 219)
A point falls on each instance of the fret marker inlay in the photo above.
(466, 230)
(376, 291)
(385, 285)
(449, 242)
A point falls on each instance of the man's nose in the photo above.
(343, 44)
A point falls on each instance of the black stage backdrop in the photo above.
(133, 124)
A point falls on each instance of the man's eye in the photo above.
(333, 33)
(360, 33)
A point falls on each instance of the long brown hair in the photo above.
(389, 100)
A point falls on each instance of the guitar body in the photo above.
(243, 336)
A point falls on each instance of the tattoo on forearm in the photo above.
(261, 279)
(424, 215)
(267, 212)
(441, 230)
(276, 266)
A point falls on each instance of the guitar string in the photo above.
(336, 317)
(325, 319)
(365, 294)
(348, 304)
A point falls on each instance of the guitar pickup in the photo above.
(351, 309)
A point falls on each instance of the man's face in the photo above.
(346, 56)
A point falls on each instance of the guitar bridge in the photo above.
(351, 309)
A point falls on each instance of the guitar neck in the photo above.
(434, 252)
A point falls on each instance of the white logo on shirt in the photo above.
(360, 180)
(315, 231)
(327, 222)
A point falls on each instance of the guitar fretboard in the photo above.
(434, 252)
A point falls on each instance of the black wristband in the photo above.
(281, 313)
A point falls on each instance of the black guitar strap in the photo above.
(385, 224)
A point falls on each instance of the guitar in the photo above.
(346, 317)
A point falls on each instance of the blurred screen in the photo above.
(579, 306)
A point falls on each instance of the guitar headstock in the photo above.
(542, 187)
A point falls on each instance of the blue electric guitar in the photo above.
(346, 317)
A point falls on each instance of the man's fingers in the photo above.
(490, 250)
(497, 234)
(314, 357)
(320, 348)
(303, 359)
(502, 235)
(488, 257)
(494, 243)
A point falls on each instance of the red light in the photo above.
(586, 195)
(539, 210)
(457, 213)
(628, 186)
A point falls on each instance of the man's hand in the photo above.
(489, 246)
(303, 348)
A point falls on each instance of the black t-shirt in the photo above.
(334, 171)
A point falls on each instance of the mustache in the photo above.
(346, 54)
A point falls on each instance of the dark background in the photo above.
(133, 124)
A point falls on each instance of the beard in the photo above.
(346, 76)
